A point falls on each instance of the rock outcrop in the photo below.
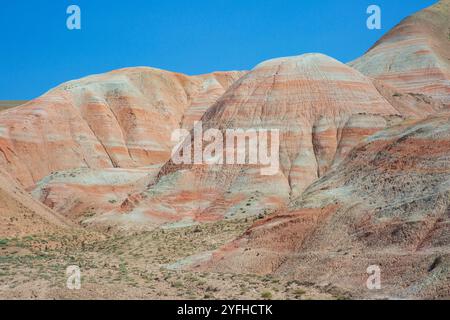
(81, 193)
(322, 109)
(387, 204)
(119, 119)
(361, 159)
(410, 105)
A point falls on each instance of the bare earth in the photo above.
(137, 266)
(362, 179)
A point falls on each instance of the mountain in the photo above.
(359, 171)
(386, 204)
(322, 109)
(414, 57)
(120, 119)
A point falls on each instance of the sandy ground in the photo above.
(135, 266)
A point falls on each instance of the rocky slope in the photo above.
(322, 109)
(415, 55)
(410, 105)
(21, 215)
(120, 119)
(363, 175)
(387, 204)
(84, 192)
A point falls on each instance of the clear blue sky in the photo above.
(38, 52)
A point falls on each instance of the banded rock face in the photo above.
(386, 204)
(322, 109)
(213, 86)
(21, 215)
(119, 119)
(410, 105)
(414, 57)
(84, 192)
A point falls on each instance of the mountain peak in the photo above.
(414, 56)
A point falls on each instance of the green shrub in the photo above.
(266, 295)
(299, 292)
(177, 284)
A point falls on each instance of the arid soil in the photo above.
(22, 215)
(137, 266)
(87, 178)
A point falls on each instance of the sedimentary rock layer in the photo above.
(119, 119)
(322, 109)
(387, 204)
(81, 193)
(415, 55)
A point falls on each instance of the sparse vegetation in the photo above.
(267, 295)
(177, 284)
(299, 292)
(130, 265)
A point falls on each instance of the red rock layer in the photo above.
(410, 105)
(386, 204)
(212, 88)
(415, 55)
(120, 119)
(322, 108)
(82, 193)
